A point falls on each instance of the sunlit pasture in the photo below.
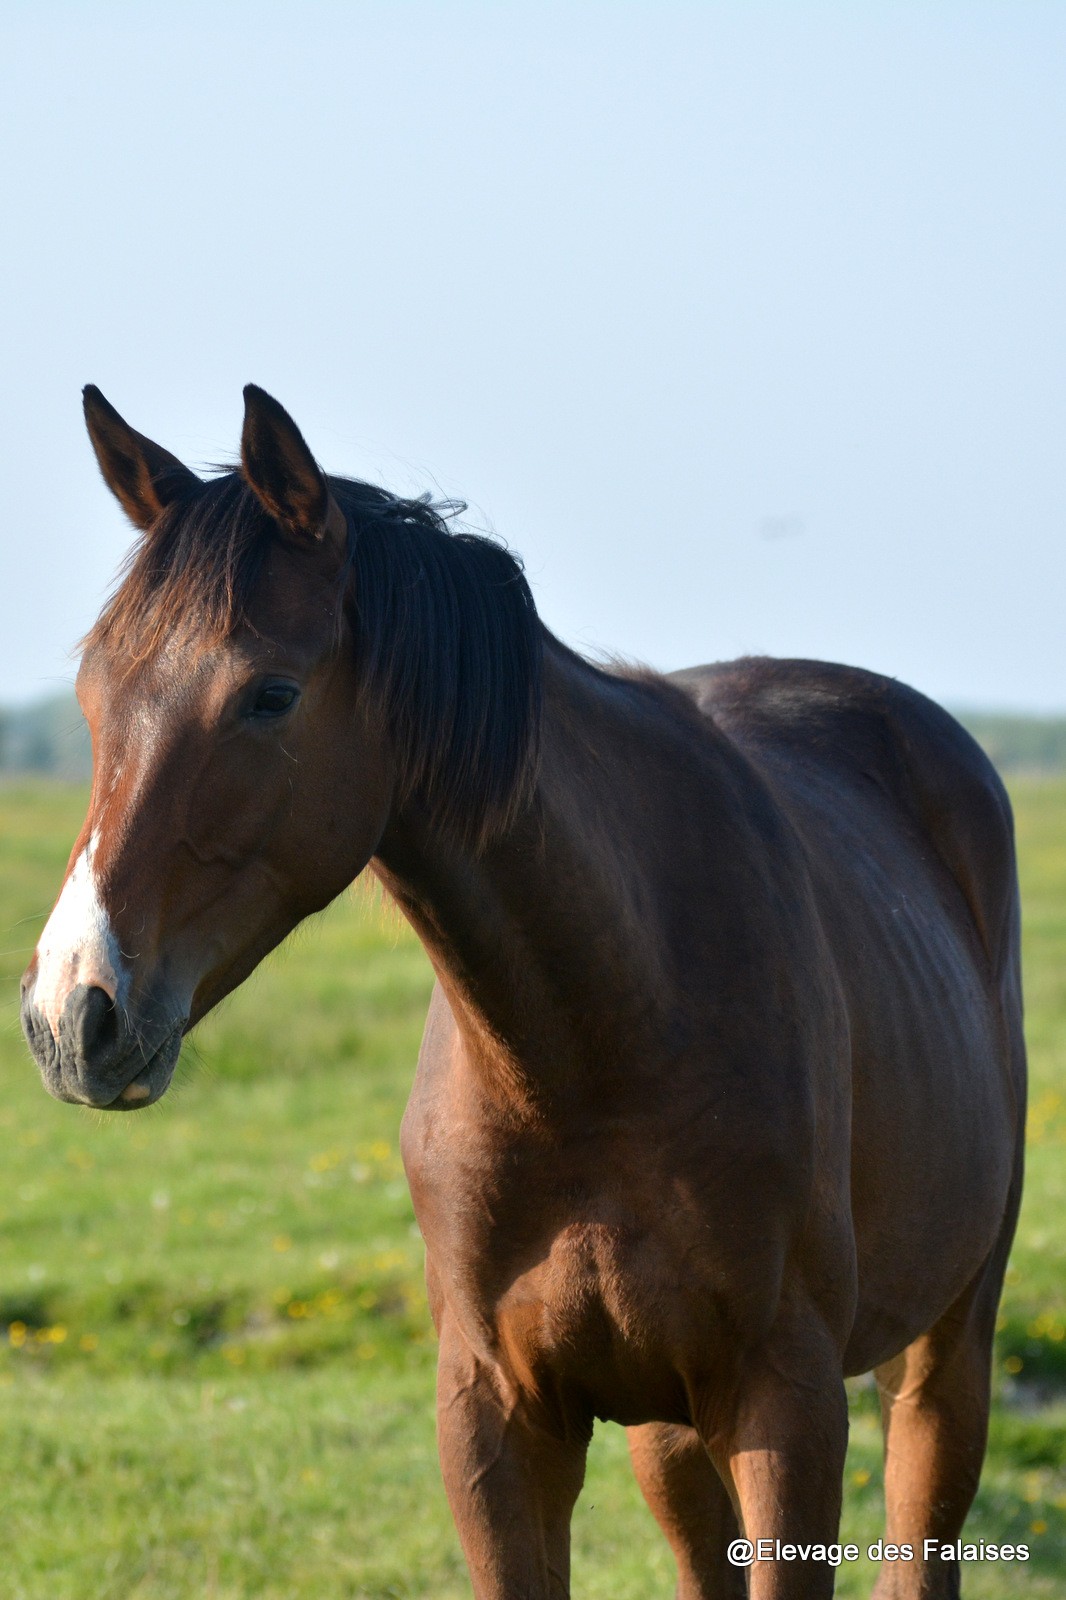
(216, 1362)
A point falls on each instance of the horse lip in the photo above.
(153, 1080)
(149, 1082)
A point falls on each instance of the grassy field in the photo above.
(216, 1364)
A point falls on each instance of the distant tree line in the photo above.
(49, 737)
(1019, 744)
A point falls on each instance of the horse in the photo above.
(721, 1093)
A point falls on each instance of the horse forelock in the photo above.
(444, 627)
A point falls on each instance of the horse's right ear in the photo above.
(142, 476)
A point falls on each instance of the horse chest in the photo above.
(611, 1263)
(603, 1310)
(619, 1313)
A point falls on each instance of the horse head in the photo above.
(240, 778)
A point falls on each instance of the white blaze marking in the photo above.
(77, 945)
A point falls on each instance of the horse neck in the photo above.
(547, 943)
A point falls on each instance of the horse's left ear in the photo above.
(284, 475)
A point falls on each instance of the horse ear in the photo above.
(283, 474)
(142, 476)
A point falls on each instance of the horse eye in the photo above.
(274, 699)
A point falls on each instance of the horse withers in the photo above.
(722, 1087)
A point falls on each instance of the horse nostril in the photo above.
(94, 1023)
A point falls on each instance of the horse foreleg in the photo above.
(511, 1478)
(690, 1503)
(782, 1436)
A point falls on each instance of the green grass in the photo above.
(217, 1376)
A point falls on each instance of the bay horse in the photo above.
(721, 1093)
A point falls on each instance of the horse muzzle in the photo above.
(97, 1055)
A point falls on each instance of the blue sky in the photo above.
(744, 324)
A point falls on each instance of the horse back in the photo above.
(877, 743)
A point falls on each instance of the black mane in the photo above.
(446, 632)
